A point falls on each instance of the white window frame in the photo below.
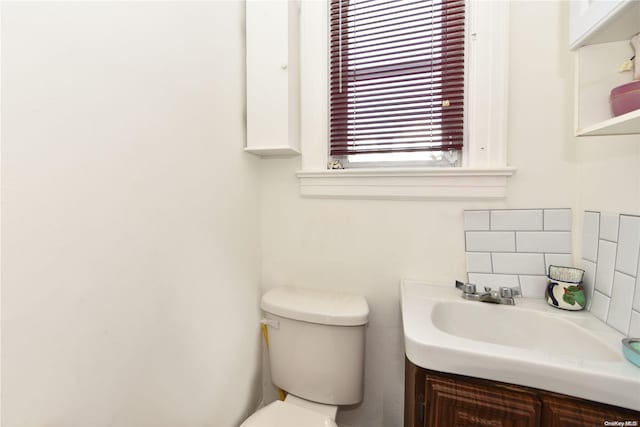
(484, 170)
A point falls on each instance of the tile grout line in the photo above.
(593, 287)
(608, 305)
(635, 293)
(615, 259)
(519, 285)
(536, 252)
(595, 270)
(607, 240)
(629, 215)
(520, 230)
(514, 230)
(638, 251)
(615, 270)
(465, 242)
(595, 274)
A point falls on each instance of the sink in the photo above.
(530, 344)
(525, 329)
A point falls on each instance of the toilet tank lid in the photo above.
(316, 306)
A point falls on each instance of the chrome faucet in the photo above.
(504, 294)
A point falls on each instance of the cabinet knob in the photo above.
(283, 66)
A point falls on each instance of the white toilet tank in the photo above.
(316, 343)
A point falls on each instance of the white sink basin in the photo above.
(530, 344)
(526, 329)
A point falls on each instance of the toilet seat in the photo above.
(283, 414)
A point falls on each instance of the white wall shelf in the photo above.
(625, 124)
(600, 34)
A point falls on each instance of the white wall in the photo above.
(129, 216)
(609, 174)
(366, 247)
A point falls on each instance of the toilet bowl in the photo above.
(316, 354)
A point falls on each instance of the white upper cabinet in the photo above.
(599, 33)
(273, 77)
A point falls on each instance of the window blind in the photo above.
(396, 76)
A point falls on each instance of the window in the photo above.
(397, 82)
(483, 171)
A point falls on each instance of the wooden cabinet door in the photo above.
(459, 403)
(560, 411)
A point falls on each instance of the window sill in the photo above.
(407, 183)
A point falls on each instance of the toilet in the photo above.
(316, 353)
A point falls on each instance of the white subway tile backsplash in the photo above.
(479, 262)
(563, 260)
(533, 286)
(515, 248)
(605, 266)
(507, 220)
(609, 226)
(628, 245)
(588, 280)
(476, 220)
(590, 234)
(600, 306)
(557, 219)
(490, 241)
(610, 258)
(543, 241)
(493, 258)
(517, 263)
(621, 300)
(494, 280)
(634, 329)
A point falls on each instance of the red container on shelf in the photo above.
(625, 98)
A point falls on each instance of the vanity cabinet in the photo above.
(599, 33)
(435, 399)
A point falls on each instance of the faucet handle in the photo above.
(466, 288)
(469, 288)
(506, 292)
